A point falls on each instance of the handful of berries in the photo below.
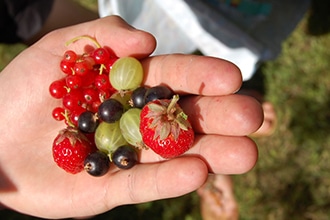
(110, 116)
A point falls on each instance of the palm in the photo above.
(28, 171)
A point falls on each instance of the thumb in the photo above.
(111, 31)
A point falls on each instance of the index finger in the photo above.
(193, 74)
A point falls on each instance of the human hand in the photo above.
(30, 182)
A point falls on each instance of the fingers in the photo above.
(111, 31)
(222, 154)
(227, 115)
(226, 154)
(175, 177)
(148, 182)
(193, 74)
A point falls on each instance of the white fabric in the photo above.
(177, 30)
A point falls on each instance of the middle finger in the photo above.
(236, 115)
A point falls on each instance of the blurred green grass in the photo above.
(292, 177)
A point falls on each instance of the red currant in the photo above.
(68, 61)
(105, 94)
(83, 66)
(110, 62)
(66, 67)
(95, 105)
(57, 89)
(91, 95)
(88, 79)
(74, 81)
(102, 82)
(112, 58)
(100, 55)
(73, 100)
(58, 113)
(70, 56)
(74, 116)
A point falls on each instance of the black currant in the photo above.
(157, 92)
(124, 157)
(97, 163)
(87, 122)
(137, 97)
(110, 110)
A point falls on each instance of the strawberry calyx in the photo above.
(167, 117)
(72, 134)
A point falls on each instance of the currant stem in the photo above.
(66, 116)
(67, 89)
(102, 67)
(83, 37)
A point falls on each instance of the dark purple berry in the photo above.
(124, 157)
(157, 92)
(87, 122)
(110, 110)
(137, 97)
(97, 163)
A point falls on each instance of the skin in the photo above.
(217, 199)
(28, 174)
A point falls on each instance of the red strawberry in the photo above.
(165, 128)
(70, 148)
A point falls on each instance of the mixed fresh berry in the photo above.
(110, 116)
(165, 128)
(70, 148)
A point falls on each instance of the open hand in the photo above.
(30, 181)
